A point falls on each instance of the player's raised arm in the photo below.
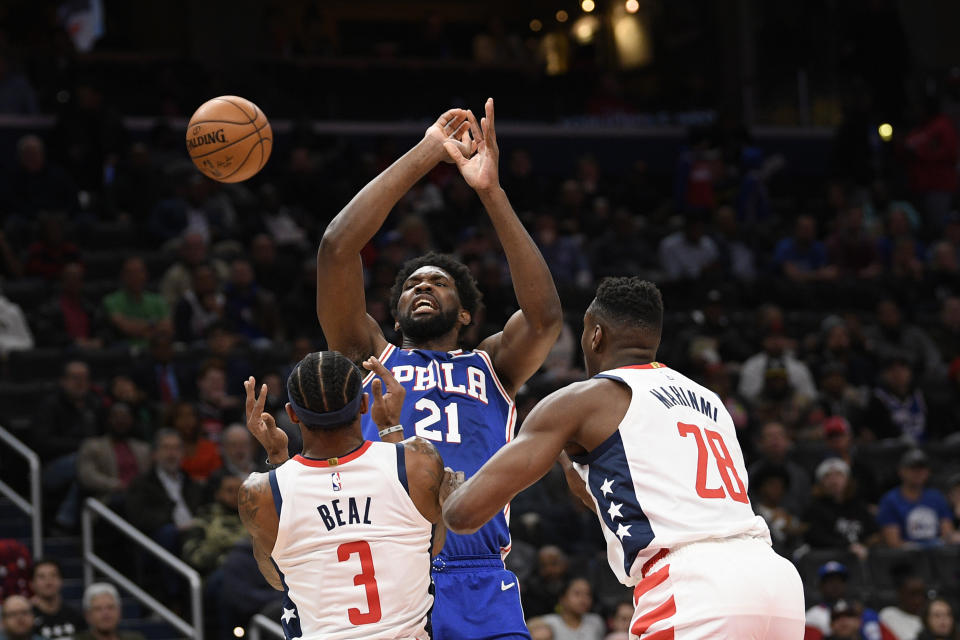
(552, 425)
(519, 350)
(341, 305)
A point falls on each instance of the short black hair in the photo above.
(39, 562)
(467, 291)
(324, 381)
(629, 301)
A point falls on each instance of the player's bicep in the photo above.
(519, 350)
(341, 306)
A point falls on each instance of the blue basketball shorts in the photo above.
(475, 598)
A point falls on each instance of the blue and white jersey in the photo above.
(671, 474)
(455, 401)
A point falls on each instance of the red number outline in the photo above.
(365, 578)
(725, 466)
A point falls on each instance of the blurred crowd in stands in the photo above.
(137, 295)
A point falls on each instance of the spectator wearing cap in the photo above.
(904, 618)
(834, 604)
(776, 356)
(838, 436)
(913, 514)
(896, 409)
(836, 518)
(832, 578)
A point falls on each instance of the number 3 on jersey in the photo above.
(725, 466)
(424, 427)
(366, 579)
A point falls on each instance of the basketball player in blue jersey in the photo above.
(655, 455)
(461, 401)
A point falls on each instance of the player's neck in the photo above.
(446, 342)
(626, 358)
(330, 445)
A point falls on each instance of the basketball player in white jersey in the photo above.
(656, 456)
(345, 528)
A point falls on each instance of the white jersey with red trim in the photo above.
(671, 474)
(352, 550)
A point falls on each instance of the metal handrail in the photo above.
(261, 621)
(33, 507)
(92, 561)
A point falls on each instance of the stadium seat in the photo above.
(883, 562)
(945, 562)
(34, 364)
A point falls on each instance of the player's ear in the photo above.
(396, 326)
(291, 414)
(365, 403)
(464, 317)
(597, 338)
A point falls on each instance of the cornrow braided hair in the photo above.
(630, 301)
(324, 381)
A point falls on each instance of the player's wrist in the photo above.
(387, 430)
(278, 457)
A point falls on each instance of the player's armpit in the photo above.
(577, 486)
(550, 426)
(267, 569)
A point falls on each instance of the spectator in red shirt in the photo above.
(69, 318)
(108, 464)
(201, 456)
(47, 256)
(932, 164)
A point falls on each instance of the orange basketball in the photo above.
(229, 138)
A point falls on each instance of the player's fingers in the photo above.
(268, 420)
(462, 130)
(491, 129)
(474, 126)
(447, 116)
(261, 401)
(454, 152)
(248, 386)
(377, 388)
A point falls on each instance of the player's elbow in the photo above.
(460, 521)
(332, 245)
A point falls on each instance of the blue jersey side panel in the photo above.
(454, 400)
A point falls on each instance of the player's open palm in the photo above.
(262, 425)
(388, 395)
(481, 170)
(451, 125)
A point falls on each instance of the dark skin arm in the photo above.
(429, 482)
(577, 418)
(259, 516)
(519, 350)
(341, 304)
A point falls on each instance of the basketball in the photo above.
(229, 139)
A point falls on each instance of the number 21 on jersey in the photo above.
(728, 472)
(425, 426)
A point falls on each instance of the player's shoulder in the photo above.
(422, 449)
(585, 394)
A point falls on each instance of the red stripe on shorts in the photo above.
(663, 634)
(662, 612)
(651, 581)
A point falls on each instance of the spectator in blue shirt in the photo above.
(803, 258)
(913, 515)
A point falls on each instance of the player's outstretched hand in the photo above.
(387, 407)
(452, 124)
(451, 480)
(262, 425)
(481, 170)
